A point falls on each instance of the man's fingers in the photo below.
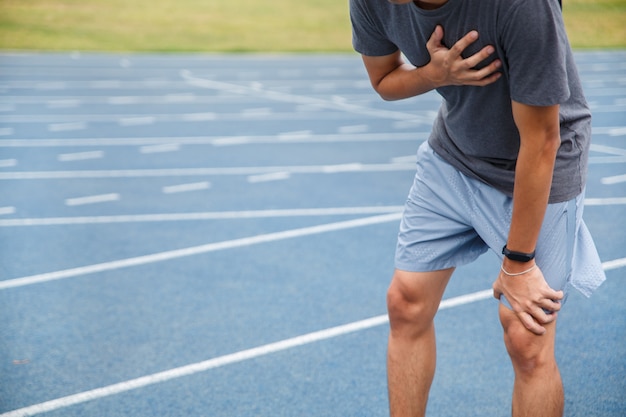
(480, 56)
(464, 42)
(497, 291)
(434, 41)
(529, 322)
(482, 80)
(551, 305)
(544, 316)
(554, 295)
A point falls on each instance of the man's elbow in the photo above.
(384, 93)
(550, 143)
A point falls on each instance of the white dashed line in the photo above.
(260, 112)
(63, 104)
(105, 84)
(123, 100)
(332, 169)
(166, 147)
(198, 117)
(617, 179)
(137, 121)
(404, 159)
(605, 201)
(188, 172)
(66, 127)
(301, 136)
(7, 210)
(80, 156)
(93, 199)
(6, 131)
(298, 134)
(183, 188)
(179, 98)
(618, 131)
(197, 250)
(210, 215)
(8, 163)
(50, 85)
(353, 129)
(272, 176)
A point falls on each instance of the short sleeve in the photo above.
(368, 34)
(535, 44)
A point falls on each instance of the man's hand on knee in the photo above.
(530, 297)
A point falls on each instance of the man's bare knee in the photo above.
(529, 352)
(412, 301)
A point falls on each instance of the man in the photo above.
(504, 168)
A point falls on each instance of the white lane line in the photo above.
(198, 117)
(272, 176)
(179, 98)
(244, 355)
(605, 201)
(608, 130)
(608, 149)
(182, 172)
(350, 167)
(607, 159)
(80, 156)
(196, 250)
(63, 103)
(217, 140)
(404, 159)
(229, 359)
(246, 214)
(7, 210)
(183, 188)
(353, 129)
(617, 179)
(257, 112)
(214, 215)
(614, 264)
(137, 121)
(8, 163)
(105, 84)
(338, 103)
(618, 131)
(123, 100)
(92, 199)
(51, 85)
(66, 127)
(161, 148)
(6, 131)
(296, 135)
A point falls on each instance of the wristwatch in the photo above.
(518, 256)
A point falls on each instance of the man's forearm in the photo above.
(395, 79)
(540, 142)
(533, 180)
(404, 82)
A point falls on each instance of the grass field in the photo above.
(233, 26)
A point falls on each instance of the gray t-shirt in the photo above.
(474, 130)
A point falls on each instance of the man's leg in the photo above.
(412, 300)
(538, 390)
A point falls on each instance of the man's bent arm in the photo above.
(529, 294)
(539, 142)
(394, 79)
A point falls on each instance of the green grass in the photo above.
(232, 26)
(596, 23)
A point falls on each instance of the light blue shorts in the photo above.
(450, 220)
